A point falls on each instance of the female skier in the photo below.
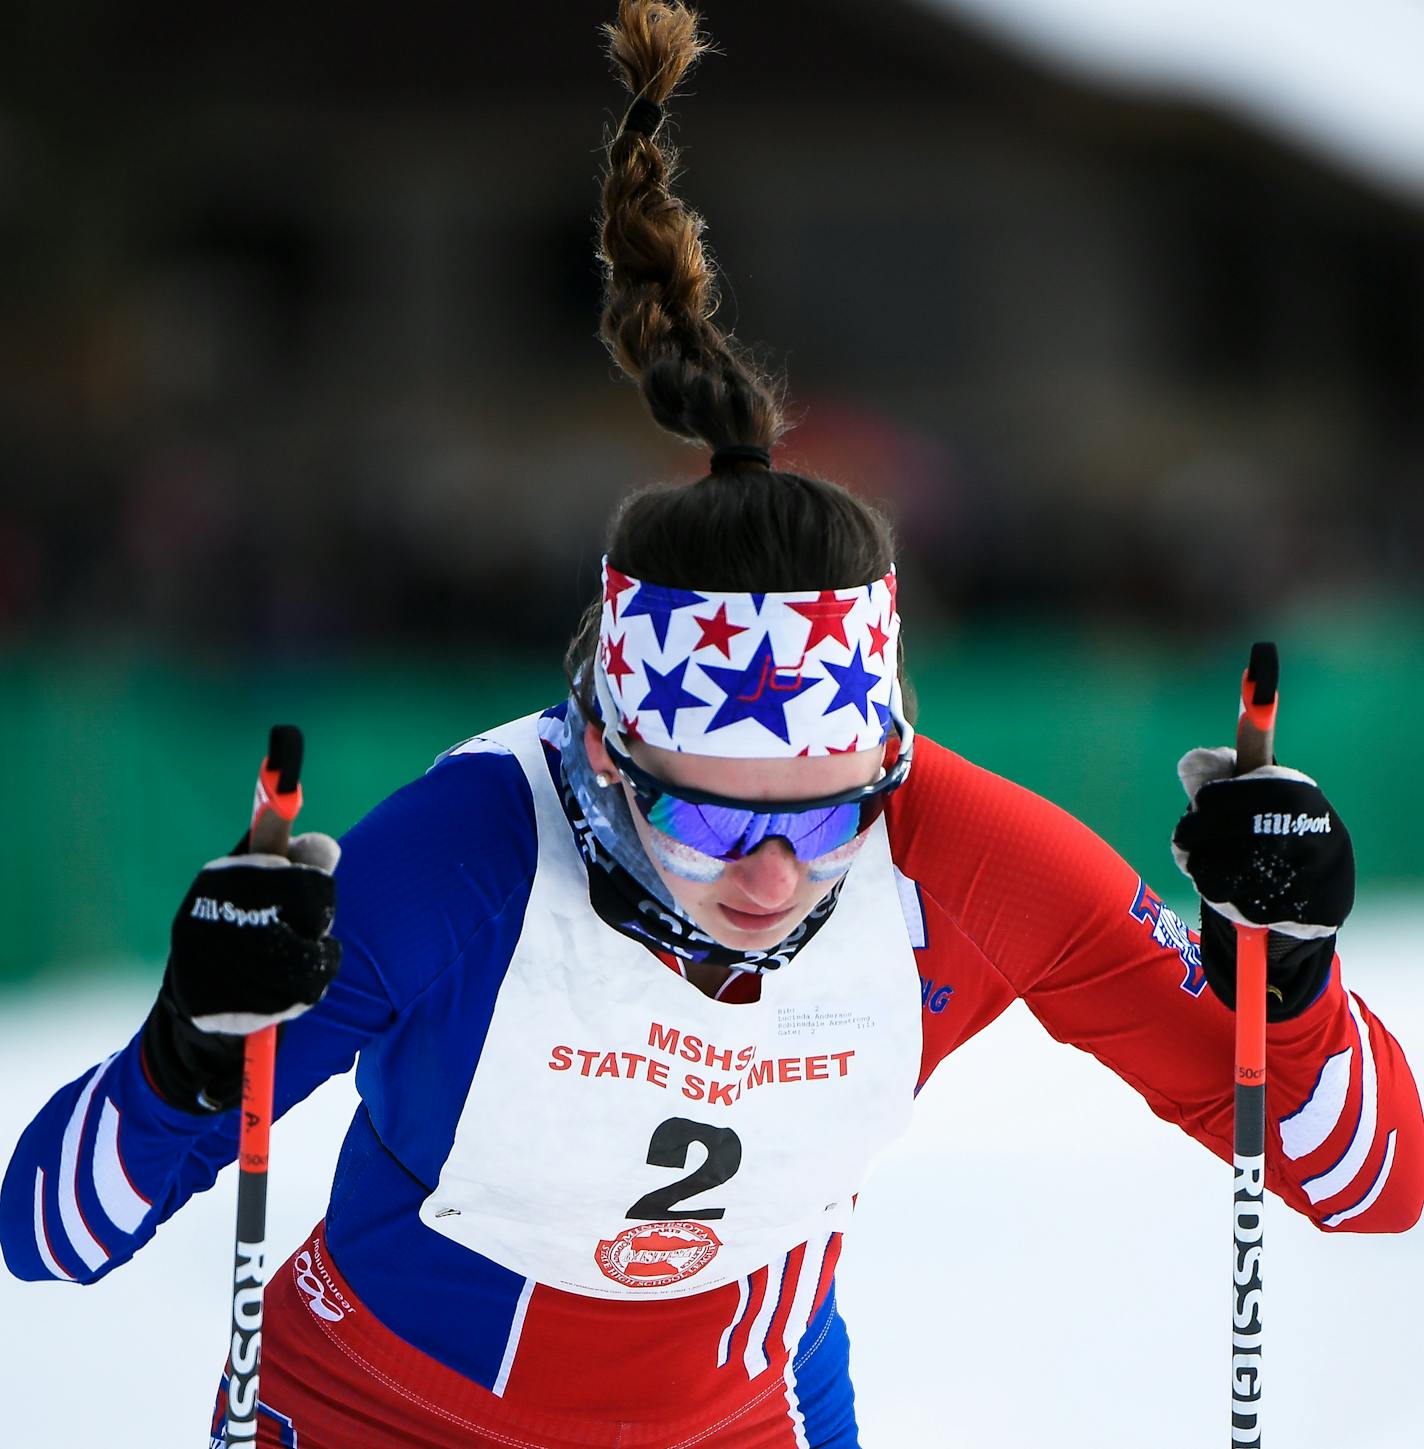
(639, 985)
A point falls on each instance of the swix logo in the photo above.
(205, 908)
(320, 1291)
(653, 1255)
(1171, 931)
(1287, 824)
(775, 678)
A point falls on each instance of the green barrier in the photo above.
(124, 775)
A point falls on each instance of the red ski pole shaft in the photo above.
(1255, 746)
(274, 807)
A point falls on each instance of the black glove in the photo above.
(1264, 849)
(250, 948)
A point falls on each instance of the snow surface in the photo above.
(1040, 1264)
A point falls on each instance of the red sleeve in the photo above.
(1016, 898)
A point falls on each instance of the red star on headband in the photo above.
(615, 666)
(717, 633)
(615, 584)
(630, 730)
(879, 638)
(849, 749)
(892, 582)
(827, 615)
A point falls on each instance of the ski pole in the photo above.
(1255, 746)
(275, 805)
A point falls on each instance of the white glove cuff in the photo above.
(1206, 766)
(313, 850)
(244, 1023)
(1283, 928)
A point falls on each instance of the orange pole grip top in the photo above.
(286, 803)
(1250, 1005)
(257, 1100)
(1262, 717)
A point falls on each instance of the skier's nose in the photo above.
(769, 876)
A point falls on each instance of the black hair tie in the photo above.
(734, 453)
(643, 118)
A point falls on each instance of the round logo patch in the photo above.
(653, 1255)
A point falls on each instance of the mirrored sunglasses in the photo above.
(728, 829)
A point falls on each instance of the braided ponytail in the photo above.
(745, 526)
(661, 293)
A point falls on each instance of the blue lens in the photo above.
(729, 834)
(726, 829)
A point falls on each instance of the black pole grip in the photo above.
(284, 755)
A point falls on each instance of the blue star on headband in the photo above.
(659, 604)
(853, 685)
(666, 695)
(761, 691)
(887, 718)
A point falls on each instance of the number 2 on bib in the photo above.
(668, 1148)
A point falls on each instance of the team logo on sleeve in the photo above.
(323, 1297)
(654, 1255)
(1172, 932)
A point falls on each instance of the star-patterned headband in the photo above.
(754, 676)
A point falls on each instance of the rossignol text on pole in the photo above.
(1255, 746)
(274, 807)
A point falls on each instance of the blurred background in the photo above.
(303, 415)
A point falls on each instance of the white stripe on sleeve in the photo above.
(42, 1233)
(1370, 1198)
(802, 1303)
(1305, 1129)
(1339, 1177)
(754, 1355)
(804, 1296)
(913, 909)
(123, 1204)
(724, 1348)
(511, 1347)
(90, 1251)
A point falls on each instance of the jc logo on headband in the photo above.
(775, 677)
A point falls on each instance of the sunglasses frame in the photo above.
(650, 786)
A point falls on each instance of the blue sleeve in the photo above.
(452, 899)
(107, 1160)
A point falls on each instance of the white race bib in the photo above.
(627, 1136)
